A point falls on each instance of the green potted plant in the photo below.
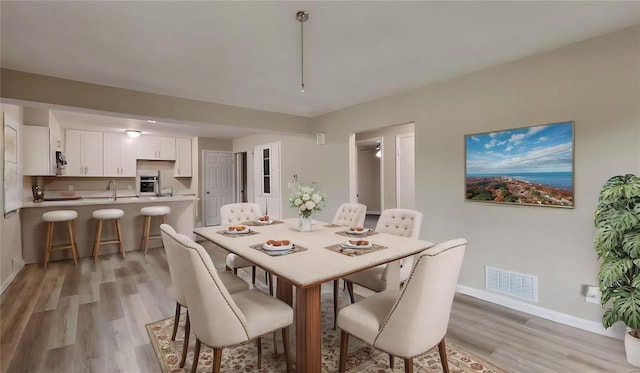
(617, 242)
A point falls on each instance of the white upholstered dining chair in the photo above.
(238, 213)
(350, 215)
(222, 319)
(233, 283)
(408, 322)
(400, 222)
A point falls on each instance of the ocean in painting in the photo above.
(562, 180)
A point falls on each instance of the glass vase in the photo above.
(305, 224)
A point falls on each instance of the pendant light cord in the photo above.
(302, 55)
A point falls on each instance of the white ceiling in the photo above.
(248, 53)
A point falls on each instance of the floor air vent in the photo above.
(512, 283)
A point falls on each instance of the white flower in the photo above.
(302, 208)
(297, 202)
(310, 205)
(305, 197)
(316, 198)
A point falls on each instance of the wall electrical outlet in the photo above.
(592, 294)
(71, 188)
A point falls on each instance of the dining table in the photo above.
(326, 253)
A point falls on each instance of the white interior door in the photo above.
(405, 171)
(218, 184)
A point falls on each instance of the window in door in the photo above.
(266, 175)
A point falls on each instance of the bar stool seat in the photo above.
(148, 212)
(100, 216)
(51, 218)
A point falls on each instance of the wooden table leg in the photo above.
(284, 291)
(308, 337)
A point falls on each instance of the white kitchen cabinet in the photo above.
(38, 155)
(182, 167)
(156, 147)
(84, 153)
(119, 155)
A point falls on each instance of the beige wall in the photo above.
(595, 83)
(23, 86)
(10, 239)
(298, 155)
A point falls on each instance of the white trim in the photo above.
(617, 331)
(8, 281)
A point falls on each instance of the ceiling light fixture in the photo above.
(151, 121)
(302, 17)
(133, 133)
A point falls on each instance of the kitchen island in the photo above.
(34, 229)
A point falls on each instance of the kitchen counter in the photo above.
(108, 201)
(34, 229)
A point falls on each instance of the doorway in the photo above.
(218, 184)
(370, 174)
(241, 177)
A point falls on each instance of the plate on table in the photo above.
(278, 252)
(264, 222)
(356, 244)
(237, 229)
(274, 245)
(358, 230)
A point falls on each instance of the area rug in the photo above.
(360, 358)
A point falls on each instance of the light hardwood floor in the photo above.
(91, 318)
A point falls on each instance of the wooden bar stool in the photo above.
(60, 216)
(148, 212)
(102, 215)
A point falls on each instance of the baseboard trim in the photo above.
(8, 281)
(617, 331)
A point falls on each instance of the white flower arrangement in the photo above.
(307, 200)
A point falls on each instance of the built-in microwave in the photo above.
(148, 183)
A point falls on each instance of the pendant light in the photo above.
(302, 17)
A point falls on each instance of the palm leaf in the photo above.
(627, 303)
(631, 244)
(613, 270)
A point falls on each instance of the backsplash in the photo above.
(124, 185)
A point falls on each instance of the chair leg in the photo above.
(336, 287)
(164, 219)
(217, 360)
(74, 243)
(350, 289)
(270, 275)
(147, 230)
(408, 365)
(196, 356)
(96, 247)
(119, 230)
(344, 343)
(185, 343)
(287, 349)
(392, 361)
(275, 344)
(253, 275)
(443, 356)
(235, 271)
(176, 320)
(259, 347)
(47, 248)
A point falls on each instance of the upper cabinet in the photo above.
(155, 147)
(182, 167)
(83, 150)
(119, 155)
(38, 157)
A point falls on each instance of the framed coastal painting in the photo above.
(523, 166)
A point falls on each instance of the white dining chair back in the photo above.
(420, 317)
(400, 222)
(409, 322)
(350, 215)
(236, 213)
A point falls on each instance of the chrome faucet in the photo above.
(113, 189)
